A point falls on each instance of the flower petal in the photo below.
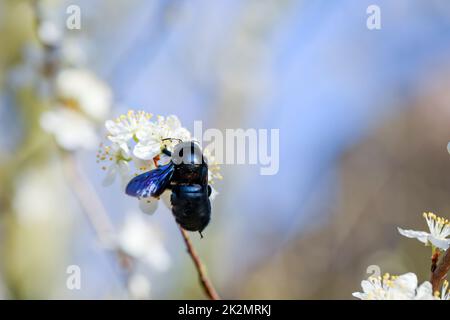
(147, 151)
(359, 295)
(405, 286)
(110, 176)
(422, 236)
(112, 127)
(424, 292)
(124, 171)
(367, 286)
(439, 243)
(148, 205)
(71, 130)
(165, 197)
(173, 122)
(145, 133)
(91, 94)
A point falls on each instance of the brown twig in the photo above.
(442, 268)
(435, 260)
(207, 286)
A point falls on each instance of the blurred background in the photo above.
(364, 119)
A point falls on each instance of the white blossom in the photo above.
(140, 240)
(389, 287)
(82, 90)
(115, 159)
(149, 205)
(83, 101)
(71, 130)
(128, 127)
(155, 137)
(439, 230)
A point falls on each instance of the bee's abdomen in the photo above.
(191, 206)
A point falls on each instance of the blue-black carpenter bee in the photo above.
(187, 176)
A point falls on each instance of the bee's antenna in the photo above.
(201, 235)
(179, 140)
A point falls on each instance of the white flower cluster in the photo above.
(136, 141)
(404, 287)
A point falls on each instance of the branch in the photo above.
(207, 286)
(438, 275)
(84, 191)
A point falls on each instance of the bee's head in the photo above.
(188, 153)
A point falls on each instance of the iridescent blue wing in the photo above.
(151, 183)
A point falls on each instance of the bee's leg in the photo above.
(209, 190)
(167, 152)
(156, 159)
